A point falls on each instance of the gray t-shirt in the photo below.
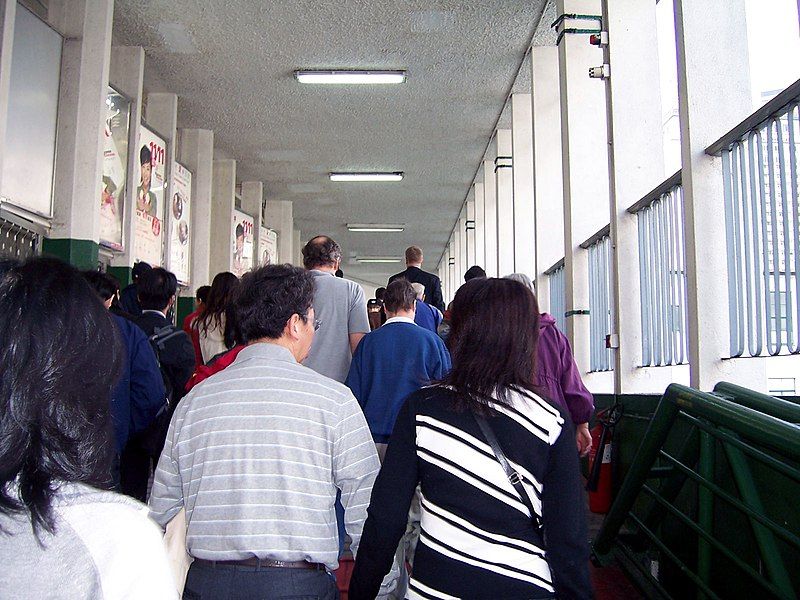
(342, 308)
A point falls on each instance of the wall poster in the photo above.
(150, 174)
(179, 220)
(242, 243)
(267, 247)
(115, 169)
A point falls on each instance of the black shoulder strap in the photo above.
(161, 335)
(513, 476)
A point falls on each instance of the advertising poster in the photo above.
(150, 175)
(179, 220)
(242, 243)
(115, 169)
(268, 247)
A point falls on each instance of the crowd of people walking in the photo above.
(286, 423)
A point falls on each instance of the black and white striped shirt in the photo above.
(477, 538)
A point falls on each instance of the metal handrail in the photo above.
(770, 405)
(662, 188)
(604, 231)
(555, 267)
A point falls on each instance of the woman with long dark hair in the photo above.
(61, 535)
(502, 509)
(215, 332)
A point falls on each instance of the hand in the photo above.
(583, 438)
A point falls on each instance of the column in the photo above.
(196, 151)
(278, 216)
(490, 217)
(524, 217)
(714, 96)
(480, 225)
(461, 237)
(470, 232)
(126, 75)
(299, 242)
(636, 160)
(584, 164)
(8, 11)
(504, 180)
(86, 57)
(253, 204)
(547, 173)
(222, 206)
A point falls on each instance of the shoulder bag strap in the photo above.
(513, 476)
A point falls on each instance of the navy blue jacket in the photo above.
(140, 393)
(390, 363)
(427, 316)
(129, 300)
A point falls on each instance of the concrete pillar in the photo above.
(253, 204)
(524, 217)
(461, 231)
(222, 206)
(470, 232)
(8, 11)
(299, 242)
(504, 181)
(278, 216)
(714, 95)
(126, 75)
(196, 151)
(585, 170)
(636, 160)
(86, 57)
(480, 224)
(548, 177)
(490, 217)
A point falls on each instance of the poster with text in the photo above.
(268, 247)
(242, 241)
(179, 220)
(115, 169)
(151, 152)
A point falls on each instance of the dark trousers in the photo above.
(233, 582)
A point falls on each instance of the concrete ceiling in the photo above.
(231, 65)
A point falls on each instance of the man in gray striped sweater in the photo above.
(257, 452)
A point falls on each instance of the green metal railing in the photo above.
(711, 498)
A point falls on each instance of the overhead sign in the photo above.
(179, 222)
(150, 175)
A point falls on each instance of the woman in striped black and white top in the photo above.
(478, 538)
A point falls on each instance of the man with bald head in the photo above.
(340, 306)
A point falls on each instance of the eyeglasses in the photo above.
(317, 323)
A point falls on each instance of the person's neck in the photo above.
(326, 269)
(283, 342)
(417, 265)
(162, 312)
(407, 314)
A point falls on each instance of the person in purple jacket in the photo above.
(557, 374)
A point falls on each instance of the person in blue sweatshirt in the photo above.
(393, 361)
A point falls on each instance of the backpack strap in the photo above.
(161, 335)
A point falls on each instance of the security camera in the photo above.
(601, 72)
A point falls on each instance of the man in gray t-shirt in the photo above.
(339, 305)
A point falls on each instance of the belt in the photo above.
(261, 562)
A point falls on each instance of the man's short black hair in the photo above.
(156, 288)
(103, 284)
(380, 293)
(139, 269)
(321, 251)
(202, 293)
(145, 156)
(267, 299)
(400, 295)
(474, 273)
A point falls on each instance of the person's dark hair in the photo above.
(239, 230)
(267, 299)
(413, 254)
(6, 264)
(103, 284)
(223, 290)
(60, 357)
(139, 269)
(494, 329)
(156, 288)
(474, 272)
(202, 293)
(400, 295)
(339, 273)
(380, 293)
(145, 156)
(321, 251)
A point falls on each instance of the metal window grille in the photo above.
(762, 219)
(600, 357)
(662, 272)
(17, 241)
(558, 299)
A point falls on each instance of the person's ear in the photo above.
(293, 326)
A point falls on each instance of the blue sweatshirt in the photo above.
(390, 363)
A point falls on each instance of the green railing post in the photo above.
(705, 509)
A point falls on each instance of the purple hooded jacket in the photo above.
(557, 374)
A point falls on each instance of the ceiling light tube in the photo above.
(392, 176)
(346, 77)
(375, 227)
(379, 259)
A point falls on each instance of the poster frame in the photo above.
(168, 238)
(167, 174)
(126, 197)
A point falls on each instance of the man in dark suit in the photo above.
(415, 274)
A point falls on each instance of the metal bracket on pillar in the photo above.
(503, 162)
(559, 22)
(572, 313)
(451, 261)
(469, 225)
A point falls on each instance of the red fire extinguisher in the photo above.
(599, 482)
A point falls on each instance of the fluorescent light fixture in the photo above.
(347, 77)
(379, 259)
(376, 227)
(392, 176)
